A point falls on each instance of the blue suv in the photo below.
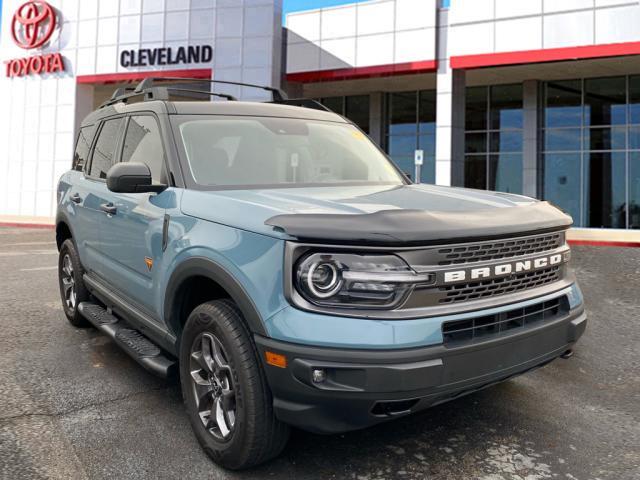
(272, 257)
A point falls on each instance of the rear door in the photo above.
(132, 235)
(88, 193)
(83, 220)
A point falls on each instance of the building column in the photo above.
(376, 117)
(450, 105)
(450, 127)
(84, 105)
(249, 48)
(530, 139)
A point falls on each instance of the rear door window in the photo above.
(105, 150)
(83, 145)
(143, 144)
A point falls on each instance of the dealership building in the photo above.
(539, 97)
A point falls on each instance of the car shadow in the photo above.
(452, 440)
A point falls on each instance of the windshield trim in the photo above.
(191, 184)
(275, 186)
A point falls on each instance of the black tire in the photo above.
(69, 257)
(256, 434)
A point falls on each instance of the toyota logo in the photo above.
(33, 24)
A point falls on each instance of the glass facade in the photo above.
(410, 126)
(355, 108)
(588, 142)
(591, 150)
(493, 138)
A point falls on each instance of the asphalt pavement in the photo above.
(74, 406)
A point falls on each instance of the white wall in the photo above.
(37, 124)
(379, 32)
(492, 26)
(40, 113)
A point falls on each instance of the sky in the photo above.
(299, 5)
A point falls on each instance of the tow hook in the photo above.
(567, 354)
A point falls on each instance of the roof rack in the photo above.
(158, 93)
(150, 91)
(121, 91)
(277, 94)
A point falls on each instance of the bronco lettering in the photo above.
(503, 270)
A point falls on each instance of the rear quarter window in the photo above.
(83, 145)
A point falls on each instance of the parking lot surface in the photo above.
(72, 405)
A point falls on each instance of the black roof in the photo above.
(155, 97)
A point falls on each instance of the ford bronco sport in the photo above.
(277, 261)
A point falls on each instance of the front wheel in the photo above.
(225, 391)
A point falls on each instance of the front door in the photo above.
(131, 228)
(87, 192)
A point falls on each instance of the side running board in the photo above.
(139, 347)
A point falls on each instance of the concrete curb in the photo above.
(572, 241)
(43, 226)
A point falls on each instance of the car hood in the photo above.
(404, 214)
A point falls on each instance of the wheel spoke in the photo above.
(67, 267)
(199, 360)
(199, 379)
(207, 421)
(207, 354)
(228, 400)
(203, 395)
(231, 418)
(221, 419)
(218, 357)
(67, 284)
(202, 387)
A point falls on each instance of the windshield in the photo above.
(252, 151)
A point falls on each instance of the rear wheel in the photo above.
(225, 391)
(72, 288)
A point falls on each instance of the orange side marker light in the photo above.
(148, 262)
(276, 359)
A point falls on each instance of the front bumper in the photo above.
(365, 387)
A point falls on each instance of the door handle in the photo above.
(75, 198)
(108, 208)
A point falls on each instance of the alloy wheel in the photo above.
(68, 283)
(213, 386)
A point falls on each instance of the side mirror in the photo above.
(131, 177)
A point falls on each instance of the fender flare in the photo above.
(205, 267)
(62, 217)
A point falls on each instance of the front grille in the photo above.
(496, 250)
(498, 286)
(457, 331)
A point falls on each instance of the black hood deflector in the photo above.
(421, 227)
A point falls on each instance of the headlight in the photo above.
(357, 281)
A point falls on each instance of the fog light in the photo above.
(319, 375)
